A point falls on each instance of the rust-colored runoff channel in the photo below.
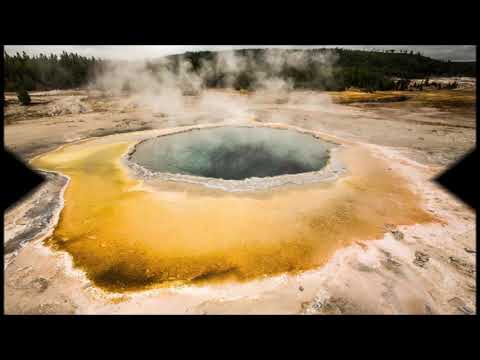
(128, 238)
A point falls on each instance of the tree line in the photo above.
(369, 70)
(65, 71)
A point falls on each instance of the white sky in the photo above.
(140, 52)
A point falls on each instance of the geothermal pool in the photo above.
(129, 233)
(233, 153)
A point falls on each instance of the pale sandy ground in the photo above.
(422, 269)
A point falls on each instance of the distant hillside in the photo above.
(404, 65)
(371, 70)
(326, 69)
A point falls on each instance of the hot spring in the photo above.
(233, 153)
(134, 231)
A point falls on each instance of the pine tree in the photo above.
(23, 97)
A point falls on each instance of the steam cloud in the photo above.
(165, 86)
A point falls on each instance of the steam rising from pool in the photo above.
(233, 153)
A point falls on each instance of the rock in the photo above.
(362, 245)
(40, 284)
(300, 288)
(460, 305)
(398, 235)
(364, 268)
(317, 304)
(392, 265)
(428, 310)
(421, 259)
(462, 266)
(332, 306)
(51, 308)
(471, 287)
(470, 251)
(466, 310)
(304, 307)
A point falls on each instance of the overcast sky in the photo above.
(138, 52)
